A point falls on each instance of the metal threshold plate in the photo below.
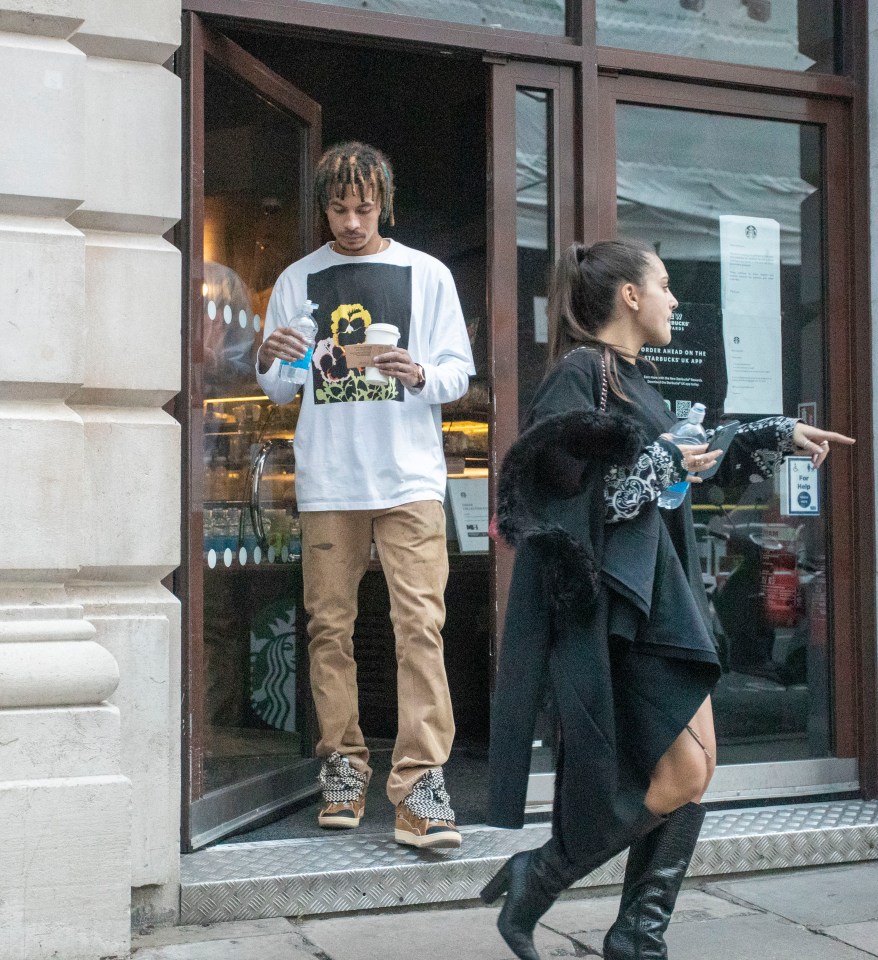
(298, 878)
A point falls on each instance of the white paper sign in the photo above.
(541, 320)
(469, 507)
(750, 289)
(799, 490)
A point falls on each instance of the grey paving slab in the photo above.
(272, 947)
(864, 936)
(823, 897)
(433, 935)
(598, 913)
(745, 938)
(167, 936)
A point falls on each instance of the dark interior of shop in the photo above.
(428, 115)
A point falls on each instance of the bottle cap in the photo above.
(310, 307)
(696, 413)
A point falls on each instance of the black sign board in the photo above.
(692, 368)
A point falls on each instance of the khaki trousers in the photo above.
(335, 552)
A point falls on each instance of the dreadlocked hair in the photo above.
(582, 296)
(357, 167)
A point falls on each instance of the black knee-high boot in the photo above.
(534, 879)
(656, 867)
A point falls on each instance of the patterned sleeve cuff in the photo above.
(772, 433)
(768, 441)
(668, 460)
(628, 490)
(785, 441)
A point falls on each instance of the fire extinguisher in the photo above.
(779, 578)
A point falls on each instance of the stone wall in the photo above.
(90, 473)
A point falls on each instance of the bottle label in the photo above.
(673, 496)
(305, 362)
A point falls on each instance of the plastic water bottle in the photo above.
(688, 432)
(296, 371)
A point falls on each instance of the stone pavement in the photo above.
(823, 913)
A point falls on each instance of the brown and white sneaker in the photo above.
(344, 794)
(424, 819)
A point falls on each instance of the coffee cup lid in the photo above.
(383, 328)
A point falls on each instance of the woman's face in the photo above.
(655, 304)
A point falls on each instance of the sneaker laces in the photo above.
(429, 799)
(340, 781)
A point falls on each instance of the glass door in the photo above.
(531, 218)
(743, 197)
(248, 736)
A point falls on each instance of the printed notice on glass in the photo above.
(692, 367)
(799, 489)
(541, 319)
(750, 288)
(469, 507)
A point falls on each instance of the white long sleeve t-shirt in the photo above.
(362, 446)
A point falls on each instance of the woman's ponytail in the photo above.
(568, 325)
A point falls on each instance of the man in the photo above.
(369, 466)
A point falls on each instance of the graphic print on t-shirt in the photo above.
(350, 296)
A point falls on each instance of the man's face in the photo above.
(354, 223)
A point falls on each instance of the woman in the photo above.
(607, 607)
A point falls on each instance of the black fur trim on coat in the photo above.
(551, 494)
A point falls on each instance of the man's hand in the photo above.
(398, 363)
(815, 442)
(283, 344)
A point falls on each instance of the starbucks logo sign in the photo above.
(273, 665)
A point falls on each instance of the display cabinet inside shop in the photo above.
(250, 514)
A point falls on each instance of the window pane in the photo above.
(734, 207)
(534, 233)
(532, 16)
(785, 34)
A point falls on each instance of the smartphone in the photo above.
(721, 440)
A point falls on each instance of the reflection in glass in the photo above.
(784, 34)
(253, 719)
(533, 16)
(534, 229)
(534, 236)
(766, 573)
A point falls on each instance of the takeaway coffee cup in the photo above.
(385, 334)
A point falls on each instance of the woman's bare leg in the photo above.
(685, 771)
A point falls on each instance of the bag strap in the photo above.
(605, 385)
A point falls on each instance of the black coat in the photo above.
(604, 617)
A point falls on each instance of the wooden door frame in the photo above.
(848, 409)
(504, 79)
(202, 45)
(576, 48)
